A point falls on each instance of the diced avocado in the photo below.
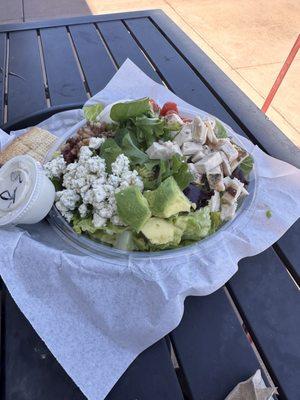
(196, 225)
(167, 199)
(132, 207)
(159, 231)
(124, 241)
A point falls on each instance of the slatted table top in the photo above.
(63, 62)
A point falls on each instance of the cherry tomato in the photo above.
(168, 107)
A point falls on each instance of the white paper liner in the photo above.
(95, 315)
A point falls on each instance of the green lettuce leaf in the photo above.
(216, 221)
(91, 112)
(247, 165)
(149, 130)
(83, 225)
(110, 151)
(196, 225)
(57, 182)
(135, 155)
(181, 172)
(219, 130)
(130, 109)
(154, 172)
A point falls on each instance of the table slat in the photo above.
(289, 247)
(26, 89)
(123, 46)
(212, 348)
(32, 372)
(2, 74)
(269, 301)
(151, 376)
(97, 66)
(64, 80)
(175, 71)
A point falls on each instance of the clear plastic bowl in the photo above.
(94, 248)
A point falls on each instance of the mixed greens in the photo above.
(141, 177)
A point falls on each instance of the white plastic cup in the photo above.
(26, 193)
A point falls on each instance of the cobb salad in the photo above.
(141, 177)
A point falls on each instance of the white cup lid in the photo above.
(18, 179)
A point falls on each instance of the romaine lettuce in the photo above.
(246, 166)
(130, 109)
(219, 130)
(83, 225)
(196, 225)
(135, 155)
(110, 151)
(91, 112)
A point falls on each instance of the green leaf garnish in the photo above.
(130, 109)
(219, 130)
(247, 165)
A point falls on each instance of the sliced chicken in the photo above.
(196, 174)
(212, 139)
(191, 148)
(163, 151)
(225, 164)
(215, 179)
(199, 130)
(215, 202)
(228, 211)
(173, 119)
(198, 156)
(209, 162)
(233, 190)
(185, 135)
(229, 149)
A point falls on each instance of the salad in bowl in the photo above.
(140, 177)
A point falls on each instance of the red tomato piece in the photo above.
(167, 107)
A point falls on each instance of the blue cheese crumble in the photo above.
(87, 186)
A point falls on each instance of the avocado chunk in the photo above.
(159, 231)
(167, 199)
(132, 207)
(196, 225)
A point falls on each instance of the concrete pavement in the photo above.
(249, 40)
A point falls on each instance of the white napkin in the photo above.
(97, 314)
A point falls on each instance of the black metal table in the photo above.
(223, 338)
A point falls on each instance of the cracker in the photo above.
(36, 142)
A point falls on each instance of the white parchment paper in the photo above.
(97, 315)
